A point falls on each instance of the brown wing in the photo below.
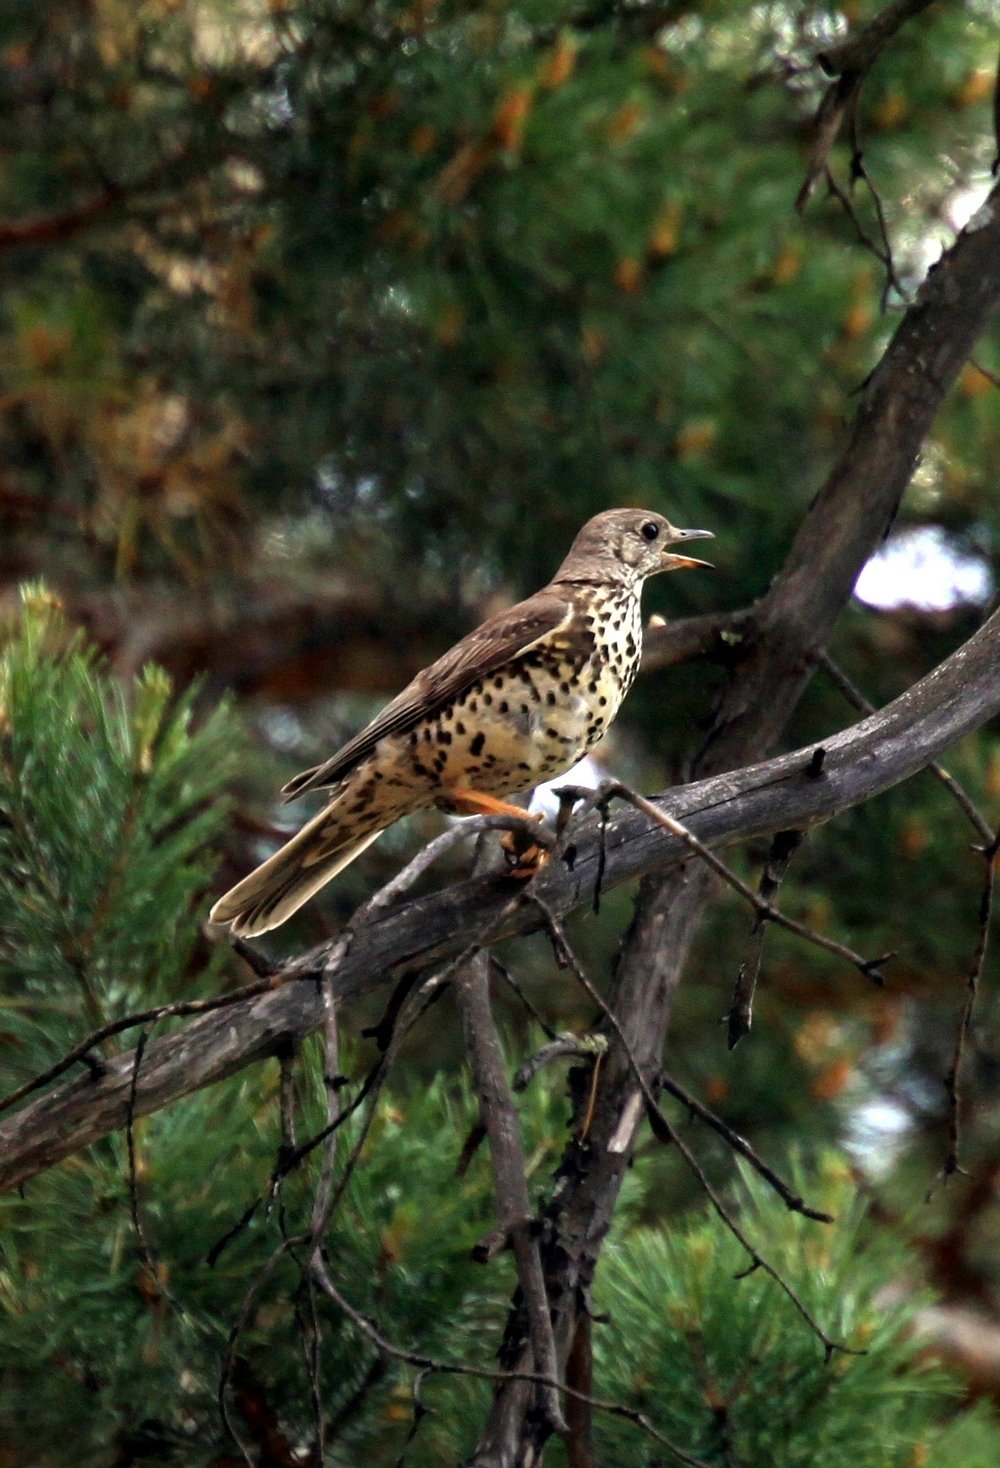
(492, 644)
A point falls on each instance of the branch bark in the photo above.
(861, 761)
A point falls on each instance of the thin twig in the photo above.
(420, 1411)
(331, 1070)
(952, 1080)
(848, 64)
(757, 1260)
(739, 1144)
(668, 1132)
(142, 1242)
(326, 1202)
(236, 1330)
(883, 251)
(429, 854)
(80, 1051)
(312, 1340)
(615, 790)
(370, 1086)
(504, 973)
(783, 848)
(429, 1364)
(154, 1276)
(427, 993)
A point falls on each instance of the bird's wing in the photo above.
(495, 642)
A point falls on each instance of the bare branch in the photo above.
(666, 1132)
(849, 63)
(783, 848)
(499, 1117)
(742, 1147)
(952, 1162)
(462, 1368)
(765, 911)
(862, 761)
(864, 705)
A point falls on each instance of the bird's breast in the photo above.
(536, 716)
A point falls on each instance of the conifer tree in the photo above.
(323, 326)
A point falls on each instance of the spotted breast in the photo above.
(518, 700)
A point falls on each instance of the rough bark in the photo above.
(860, 761)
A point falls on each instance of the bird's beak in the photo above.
(671, 562)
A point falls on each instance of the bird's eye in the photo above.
(650, 530)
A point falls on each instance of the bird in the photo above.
(517, 701)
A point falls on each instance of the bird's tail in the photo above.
(279, 886)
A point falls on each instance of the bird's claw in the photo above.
(523, 854)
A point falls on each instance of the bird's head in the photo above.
(627, 545)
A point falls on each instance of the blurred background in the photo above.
(323, 327)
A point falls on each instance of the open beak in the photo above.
(676, 563)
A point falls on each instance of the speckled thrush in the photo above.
(520, 699)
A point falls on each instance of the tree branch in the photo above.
(499, 1119)
(861, 761)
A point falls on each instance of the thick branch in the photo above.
(860, 762)
(712, 634)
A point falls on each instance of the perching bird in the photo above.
(520, 699)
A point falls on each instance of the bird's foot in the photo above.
(523, 854)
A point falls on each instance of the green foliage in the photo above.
(141, 1348)
(473, 271)
(391, 294)
(724, 1364)
(137, 1356)
(109, 804)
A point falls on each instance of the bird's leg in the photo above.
(524, 856)
(472, 803)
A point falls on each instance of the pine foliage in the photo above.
(384, 297)
(723, 1363)
(110, 800)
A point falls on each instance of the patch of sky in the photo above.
(923, 568)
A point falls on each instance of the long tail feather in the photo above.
(279, 886)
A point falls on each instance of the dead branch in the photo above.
(499, 1118)
(862, 761)
(766, 912)
(665, 1132)
(740, 1017)
(864, 705)
(952, 1080)
(848, 64)
(461, 1368)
